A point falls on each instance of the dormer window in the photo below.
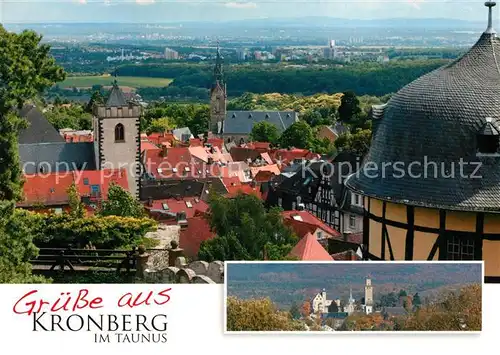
(250, 116)
(488, 138)
(234, 115)
(267, 116)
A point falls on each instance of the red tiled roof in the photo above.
(176, 163)
(260, 145)
(147, 145)
(216, 142)
(246, 189)
(263, 176)
(266, 158)
(197, 231)
(356, 238)
(271, 168)
(48, 189)
(346, 255)
(231, 181)
(104, 178)
(307, 223)
(180, 205)
(309, 249)
(159, 138)
(286, 156)
(195, 142)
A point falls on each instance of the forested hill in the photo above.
(286, 283)
(364, 79)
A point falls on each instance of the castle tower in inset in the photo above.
(117, 136)
(218, 97)
(368, 296)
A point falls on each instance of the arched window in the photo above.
(119, 133)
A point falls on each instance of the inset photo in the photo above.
(290, 296)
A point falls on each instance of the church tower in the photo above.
(117, 136)
(368, 297)
(218, 97)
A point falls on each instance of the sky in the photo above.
(164, 11)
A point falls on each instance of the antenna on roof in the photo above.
(490, 5)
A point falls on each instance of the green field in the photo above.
(125, 81)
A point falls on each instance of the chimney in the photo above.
(182, 220)
(150, 201)
(164, 150)
(210, 161)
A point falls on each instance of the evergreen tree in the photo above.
(294, 311)
(349, 108)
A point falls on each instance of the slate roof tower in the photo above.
(431, 180)
(117, 136)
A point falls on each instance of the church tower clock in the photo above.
(218, 97)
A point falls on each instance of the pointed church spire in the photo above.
(218, 74)
(490, 5)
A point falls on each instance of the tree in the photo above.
(160, 125)
(16, 245)
(305, 310)
(298, 135)
(349, 107)
(456, 311)
(264, 132)
(407, 303)
(258, 315)
(416, 300)
(356, 143)
(96, 99)
(294, 311)
(26, 69)
(402, 293)
(121, 203)
(333, 308)
(245, 230)
(77, 209)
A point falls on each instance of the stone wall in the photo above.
(196, 272)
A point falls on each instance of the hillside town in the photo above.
(254, 177)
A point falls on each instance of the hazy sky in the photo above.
(149, 11)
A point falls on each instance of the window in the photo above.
(352, 221)
(460, 248)
(85, 181)
(58, 210)
(320, 234)
(119, 133)
(95, 190)
(189, 204)
(356, 200)
(280, 201)
(165, 206)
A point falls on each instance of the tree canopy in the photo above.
(258, 315)
(298, 135)
(121, 203)
(246, 231)
(26, 69)
(265, 132)
(16, 245)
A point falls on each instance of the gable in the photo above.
(39, 129)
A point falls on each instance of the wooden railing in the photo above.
(83, 259)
